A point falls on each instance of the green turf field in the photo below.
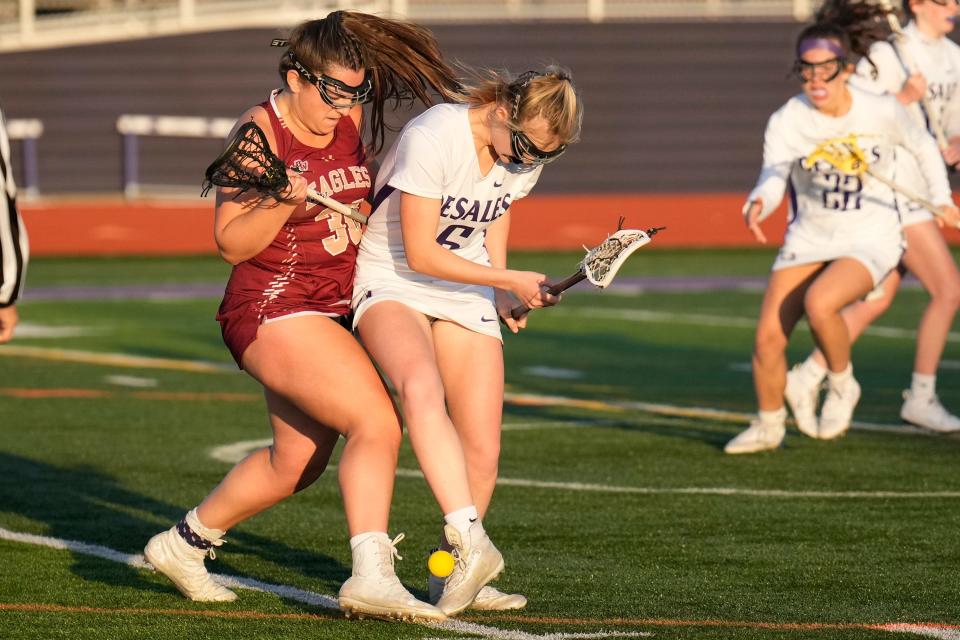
(621, 518)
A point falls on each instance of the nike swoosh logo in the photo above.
(485, 319)
(497, 184)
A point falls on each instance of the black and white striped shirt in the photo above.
(14, 249)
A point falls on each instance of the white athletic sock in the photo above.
(366, 562)
(193, 521)
(836, 379)
(360, 538)
(813, 369)
(773, 418)
(923, 386)
(463, 519)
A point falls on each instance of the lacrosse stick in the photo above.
(601, 263)
(846, 155)
(911, 68)
(248, 163)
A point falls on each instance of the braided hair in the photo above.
(403, 60)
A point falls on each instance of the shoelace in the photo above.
(390, 553)
(216, 543)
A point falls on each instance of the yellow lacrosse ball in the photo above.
(440, 563)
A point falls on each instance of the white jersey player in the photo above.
(432, 285)
(844, 234)
(435, 158)
(921, 69)
(833, 214)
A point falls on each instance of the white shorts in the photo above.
(880, 258)
(913, 213)
(473, 309)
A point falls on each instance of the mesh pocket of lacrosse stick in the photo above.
(601, 263)
(842, 153)
(248, 163)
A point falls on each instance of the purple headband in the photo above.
(820, 43)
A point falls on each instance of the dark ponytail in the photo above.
(856, 25)
(403, 60)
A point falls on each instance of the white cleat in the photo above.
(802, 395)
(757, 437)
(172, 556)
(492, 599)
(929, 414)
(838, 409)
(477, 563)
(488, 599)
(375, 591)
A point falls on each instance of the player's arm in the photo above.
(246, 222)
(923, 146)
(495, 242)
(887, 75)
(950, 120)
(778, 159)
(419, 217)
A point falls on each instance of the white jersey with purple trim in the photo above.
(938, 59)
(435, 157)
(939, 62)
(828, 204)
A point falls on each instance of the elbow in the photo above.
(416, 262)
(229, 256)
(420, 262)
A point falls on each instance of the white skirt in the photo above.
(471, 307)
(879, 253)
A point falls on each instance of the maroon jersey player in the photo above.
(291, 285)
(308, 267)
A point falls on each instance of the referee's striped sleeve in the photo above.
(14, 248)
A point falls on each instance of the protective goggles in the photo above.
(525, 152)
(336, 93)
(825, 71)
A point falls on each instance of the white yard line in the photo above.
(232, 453)
(472, 629)
(930, 631)
(115, 359)
(711, 320)
(135, 382)
(300, 595)
(35, 330)
(677, 411)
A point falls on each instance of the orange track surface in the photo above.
(163, 227)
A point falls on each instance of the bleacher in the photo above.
(672, 105)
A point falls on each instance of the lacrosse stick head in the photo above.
(844, 154)
(248, 163)
(601, 263)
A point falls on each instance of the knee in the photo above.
(818, 310)
(296, 470)
(382, 431)
(420, 397)
(948, 295)
(769, 343)
(311, 472)
(879, 306)
(483, 456)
